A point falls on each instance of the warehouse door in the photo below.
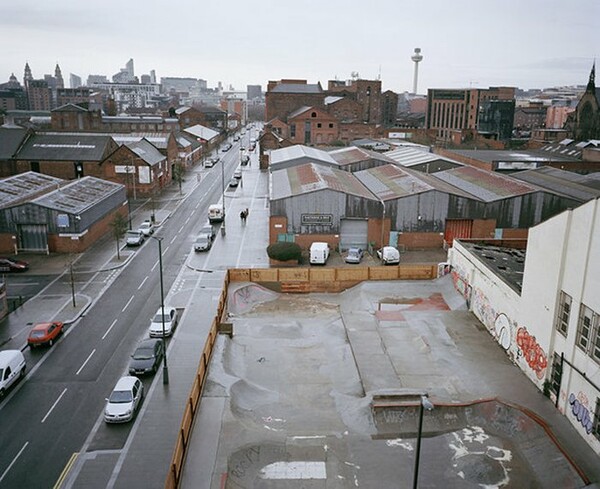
(354, 232)
(456, 229)
(33, 237)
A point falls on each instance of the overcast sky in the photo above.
(523, 43)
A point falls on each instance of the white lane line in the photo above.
(165, 252)
(197, 205)
(187, 220)
(86, 361)
(155, 265)
(173, 240)
(180, 229)
(143, 282)
(108, 330)
(13, 461)
(54, 405)
(128, 302)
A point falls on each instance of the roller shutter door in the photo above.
(456, 229)
(354, 232)
(33, 237)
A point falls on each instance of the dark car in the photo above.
(234, 182)
(147, 357)
(10, 265)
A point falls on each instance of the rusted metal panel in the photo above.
(457, 228)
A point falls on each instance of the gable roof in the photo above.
(412, 156)
(310, 177)
(353, 154)
(146, 151)
(64, 147)
(10, 141)
(70, 107)
(202, 132)
(25, 186)
(299, 151)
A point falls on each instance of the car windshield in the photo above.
(37, 333)
(133, 234)
(159, 318)
(119, 397)
(143, 354)
(202, 239)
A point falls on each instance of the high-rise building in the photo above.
(253, 92)
(125, 75)
(152, 76)
(74, 80)
(39, 95)
(60, 83)
(91, 79)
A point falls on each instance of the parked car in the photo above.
(226, 147)
(237, 173)
(354, 255)
(147, 356)
(216, 213)
(234, 182)
(203, 242)
(209, 229)
(134, 237)
(319, 252)
(389, 255)
(124, 400)
(170, 319)
(44, 334)
(245, 160)
(209, 163)
(10, 265)
(147, 228)
(236, 137)
(12, 368)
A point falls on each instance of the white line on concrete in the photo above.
(108, 330)
(128, 302)
(187, 220)
(143, 282)
(86, 361)
(165, 252)
(54, 405)
(155, 265)
(174, 239)
(180, 229)
(13, 461)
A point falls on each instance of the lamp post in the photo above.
(162, 310)
(382, 223)
(425, 403)
(223, 190)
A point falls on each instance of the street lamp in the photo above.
(382, 223)
(223, 188)
(425, 403)
(162, 310)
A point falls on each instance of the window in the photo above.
(584, 327)
(595, 346)
(564, 310)
(596, 427)
(555, 374)
(331, 125)
(319, 124)
(314, 114)
(292, 130)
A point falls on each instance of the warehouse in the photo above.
(38, 214)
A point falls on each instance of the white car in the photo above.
(170, 319)
(124, 400)
(147, 228)
(134, 238)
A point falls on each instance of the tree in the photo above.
(284, 251)
(119, 228)
(178, 172)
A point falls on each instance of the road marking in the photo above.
(128, 302)
(54, 405)
(65, 472)
(197, 205)
(187, 220)
(173, 240)
(143, 282)
(86, 361)
(180, 229)
(155, 265)
(164, 252)
(108, 330)
(13, 461)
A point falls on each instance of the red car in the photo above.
(44, 334)
(10, 265)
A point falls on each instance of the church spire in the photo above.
(27, 75)
(591, 86)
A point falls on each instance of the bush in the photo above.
(284, 251)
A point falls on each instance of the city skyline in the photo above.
(253, 43)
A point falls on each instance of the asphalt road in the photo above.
(51, 415)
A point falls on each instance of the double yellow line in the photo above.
(65, 472)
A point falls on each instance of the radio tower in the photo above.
(417, 58)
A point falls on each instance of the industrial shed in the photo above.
(421, 160)
(67, 218)
(299, 155)
(354, 159)
(319, 203)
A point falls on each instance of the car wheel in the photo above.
(2, 391)
(51, 342)
(22, 373)
(31, 346)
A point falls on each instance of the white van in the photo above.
(389, 255)
(319, 252)
(215, 213)
(12, 368)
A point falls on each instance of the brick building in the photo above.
(310, 125)
(285, 96)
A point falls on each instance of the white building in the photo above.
(553, 311)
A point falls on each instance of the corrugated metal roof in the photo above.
(352, 154)
(411, 156)
(24, 186)
(485, 185)
(76, 197)
(63, 147)
(282, 155)
(559, 182)
(297, 112)
(297, 88)
(158, 139)
(146, 152)
(492, 155)
(303, 179)
(202, 132)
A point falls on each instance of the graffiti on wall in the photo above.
(483, 309)
(532, 352)
(460, 284)
(580, 410)
(503, 330)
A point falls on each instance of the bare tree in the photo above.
(119, 228)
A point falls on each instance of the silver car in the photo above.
(124, 400)
(354, 255)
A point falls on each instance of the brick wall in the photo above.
(421, 241)
(277, 226)
(483, 228)
(305, 240)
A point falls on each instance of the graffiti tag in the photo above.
(582, 413)
(532, 351)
